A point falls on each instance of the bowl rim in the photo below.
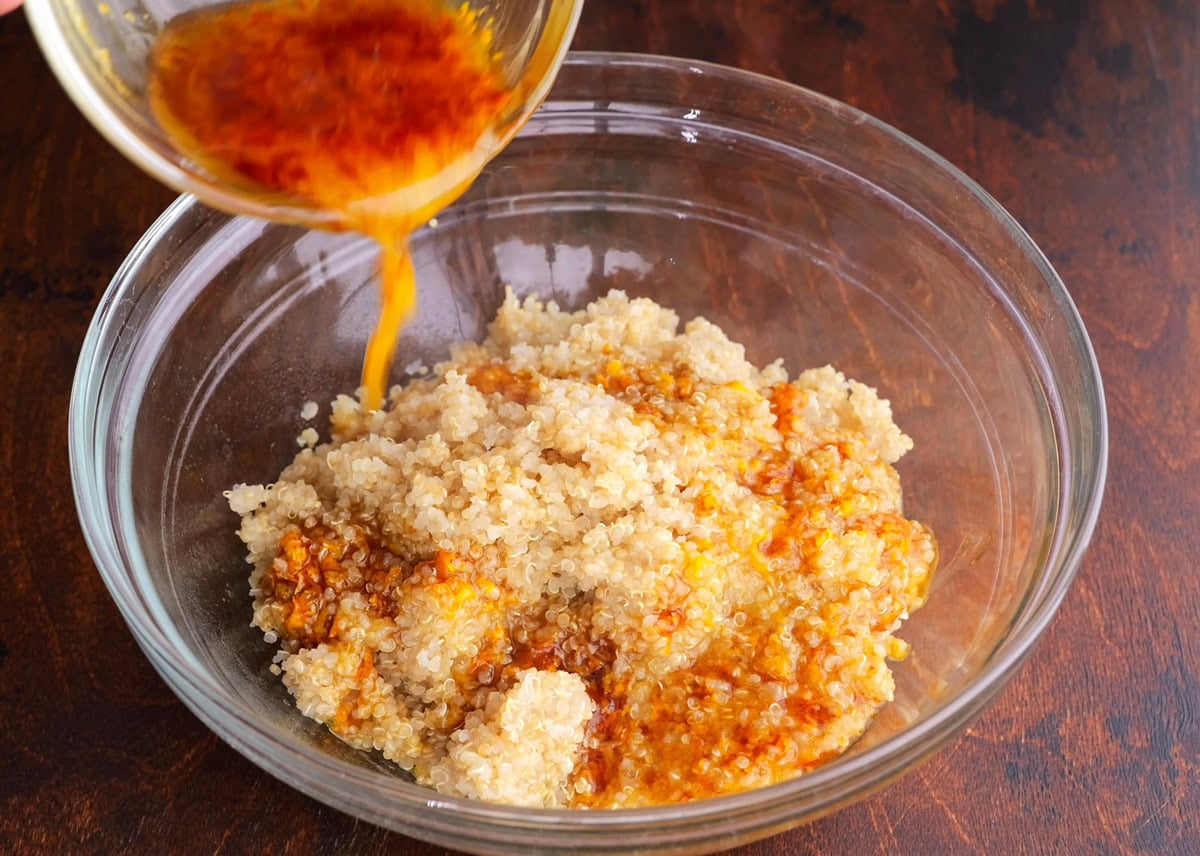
(312, 770)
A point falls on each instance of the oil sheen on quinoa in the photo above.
(594, 562)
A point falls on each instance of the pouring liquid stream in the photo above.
(381, 112)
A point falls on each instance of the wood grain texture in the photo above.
(1082, 118)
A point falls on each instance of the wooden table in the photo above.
(1082, 119)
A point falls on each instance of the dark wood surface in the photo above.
(1082, 118)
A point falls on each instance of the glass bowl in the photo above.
(100, 51)
(803, 227)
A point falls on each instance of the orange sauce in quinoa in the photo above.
(358, 107)
(743, 711)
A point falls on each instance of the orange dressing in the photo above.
(372, 109)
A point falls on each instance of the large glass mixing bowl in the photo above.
(100, 51)
(803, 227)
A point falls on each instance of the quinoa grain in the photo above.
(595, 562)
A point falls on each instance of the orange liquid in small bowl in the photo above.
(370, 109)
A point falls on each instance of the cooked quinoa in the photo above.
(593, 562)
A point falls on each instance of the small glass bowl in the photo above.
(100, 51)
(803, 227)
